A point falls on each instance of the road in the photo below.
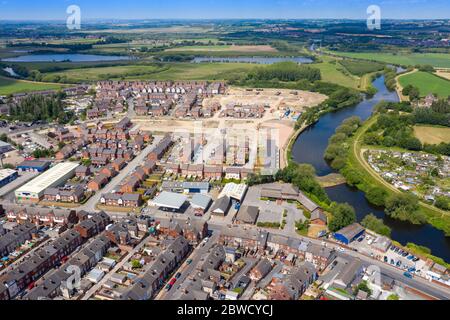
(421, 284)
(118, 266)
(141, 157)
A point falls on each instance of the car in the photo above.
(178, 275)
(189, 261)
(172, 282)
(360, 239)
(408, 275)
(416, 259)
(410, 257)
(385, 259)
(341, 249)
(405, 254)
(168, 286)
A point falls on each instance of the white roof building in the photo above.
(50, 178)
(235, 191)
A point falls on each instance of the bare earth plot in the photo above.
(432, 135)
(444, 73)
(275, 98)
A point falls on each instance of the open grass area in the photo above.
(224, 48)
(179, 71)
(432, 135)
(438, 60)
(11, 86)
(360, 67)
(103, 73)
(333, 72)
(427, 83)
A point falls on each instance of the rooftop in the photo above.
(170, 200)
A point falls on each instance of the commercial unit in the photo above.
(33, 165)
(33, 191)
(6, 176)
(169, 201)
(5, 147)
(234, 191)
(349, 233)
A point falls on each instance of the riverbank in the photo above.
(438, 218)
(310, 148)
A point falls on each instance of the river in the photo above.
(310, 148)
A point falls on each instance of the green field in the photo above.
(427, 83)
(178, 71)
(11, 86)
(438, 60)
(335, 73)
(360, 68)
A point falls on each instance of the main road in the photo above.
(433, 289)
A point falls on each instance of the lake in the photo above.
(310, 148)
(60, 57)
(256, 60)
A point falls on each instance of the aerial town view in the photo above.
(293, 150)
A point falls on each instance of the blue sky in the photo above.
(217, 9)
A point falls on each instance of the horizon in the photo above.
(51, 10)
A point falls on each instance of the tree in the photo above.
(363, 286)
(442, 203)
(393, 297)
(376, 195)
(371, 222)
(343, 215)
(404, 207)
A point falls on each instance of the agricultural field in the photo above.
(225, 48)
(427, 83)
(432, 135)
(333, 72)
(179, 71)
(11, 86)
(438, 60)
(102, 73)
(360, 68)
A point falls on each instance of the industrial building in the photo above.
(6, 176)
(234, 191)
(5, 147)
(349, 233)
(33, 191)
(169, 201)
(33, 166)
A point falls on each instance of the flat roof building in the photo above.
(34, 190)
(234, 191)
(34, 165)
(5, 147)
(6, 176)
(170, 200)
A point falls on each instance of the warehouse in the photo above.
(5, 147)
(349, 233)
(169, 201)
(33, 191)
(234, 191)
(6, 176)
(33, 166)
